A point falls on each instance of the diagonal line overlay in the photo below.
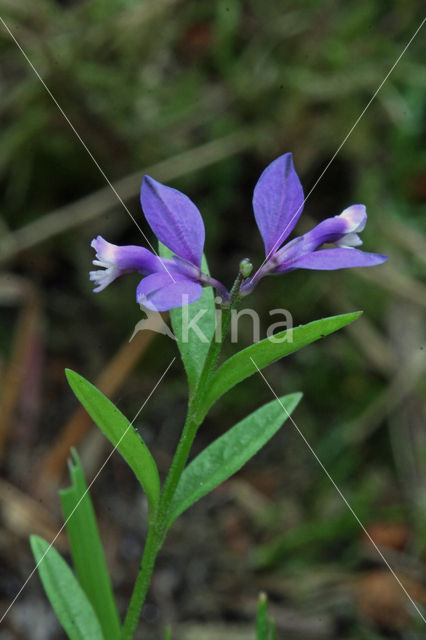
(84, 494)
(341, 494)
(257, 368)
(84, 145)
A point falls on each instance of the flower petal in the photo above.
(174, 219)
(355, 216)
(339, 230)
(127, 257)
(330, 259)
(349, 240)
(158, 293)
(329, 230)
(116, 260)
(277, 202)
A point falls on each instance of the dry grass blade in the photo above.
(397, 282)
(374, 346)
(27, 327)
(406, 236)
(400, 386)
(22, 515)
(104, 200)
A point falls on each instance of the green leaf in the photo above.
(230, 452)
(74, 611)
(240, 366)
(120, 433)
(193, 346)
(87, 552)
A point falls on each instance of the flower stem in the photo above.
(141, 586)
(175, 471)
(157, 528)
(216, 345)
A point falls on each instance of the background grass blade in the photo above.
(74, 611)
(114, 425)
(87, 551)
(229, 453)
(265, 627)
(262, 618)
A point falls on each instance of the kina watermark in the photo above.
(194, 323)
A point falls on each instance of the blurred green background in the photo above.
(203, 95)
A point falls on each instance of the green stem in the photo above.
(216, 345)
(211, 359)
(141, 586)
(157, 529)
(179, 460)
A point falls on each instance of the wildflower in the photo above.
(177, 223)
(278, 203)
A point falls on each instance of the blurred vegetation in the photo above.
(207, 94)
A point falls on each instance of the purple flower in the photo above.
(169, 283)
(116, 260)
(278, 202)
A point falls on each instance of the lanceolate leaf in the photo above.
(87, 552)
(230, 452)
(120, 433)
(74, 611)
(241, 366)
(193, 344)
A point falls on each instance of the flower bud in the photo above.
(246, 267)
